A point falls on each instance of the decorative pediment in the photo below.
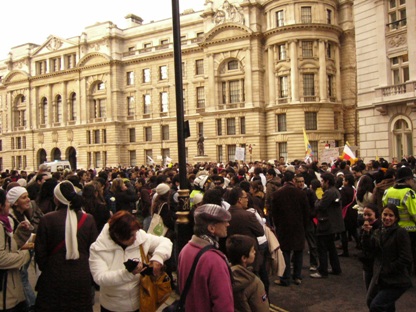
(16, 75)
(228, 31)
(53, 44)
(94, 59)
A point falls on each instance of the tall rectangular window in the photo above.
(331, 87)
(281, 122)
(200, 97)
(306, 14)
(163, 72)
(132, 135)
(234, 91)
(242, 125)
(283, 87)
(329, 50)
(132, 158)
(328, 16)
(314, 147)
(200, 128)
(147, 134)
(220, 153)
(104, 136)
(199, 67)
(397, 14)
(280, 18)
(130, 78)
(88, 137)
(165, 132)
(164, 102)
(337, 119)
(282, 149)
(311, 121)
(219, 127)
(231, 152)
(231, 126)
(282, 52)
(146, 103)
(96, 136)
(97, 160)
(308, 85)
(146, 75)
(307, 49)
(148, 156)
(400, 69)
(130, 105)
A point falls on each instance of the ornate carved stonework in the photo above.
(41, 138)
(54, 136)
(70, 135)
(228, 13)
(397, 41)
(54, 44)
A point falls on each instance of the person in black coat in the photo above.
(290, 210)
(390, 245)
(330, 222)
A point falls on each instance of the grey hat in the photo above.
(162, 189)
(211, 212)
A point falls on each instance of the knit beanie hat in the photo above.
(14, 194)
(162, 188)
(404, 173)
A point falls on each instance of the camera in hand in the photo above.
(131, 264)
(147, 271)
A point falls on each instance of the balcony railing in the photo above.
(393, 90)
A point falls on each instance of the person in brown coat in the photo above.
(62, 249)
(290, 210)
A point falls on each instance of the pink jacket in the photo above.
(211, 288)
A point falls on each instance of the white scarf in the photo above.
(71, 225)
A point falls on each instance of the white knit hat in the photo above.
(162, 188)
(14, 194)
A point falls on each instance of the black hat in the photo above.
(404, 173)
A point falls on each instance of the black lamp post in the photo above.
(183, 230)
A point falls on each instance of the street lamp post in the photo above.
(183, 229)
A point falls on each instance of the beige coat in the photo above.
(11, 260)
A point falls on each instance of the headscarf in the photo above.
(71, 224)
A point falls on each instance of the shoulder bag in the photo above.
(157, 227)
(179, 305)
(153, 291)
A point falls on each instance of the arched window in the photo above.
(402, 137)
(231, 83)
(98, 103)
(58, 109)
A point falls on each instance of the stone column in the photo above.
(323, 94)
(294, 72)
(272, 77)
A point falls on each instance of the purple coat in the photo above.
(211, 288)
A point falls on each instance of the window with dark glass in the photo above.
(311, 122)
(281, 122)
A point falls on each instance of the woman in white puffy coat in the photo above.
(118, 242)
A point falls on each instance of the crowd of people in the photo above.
(80, 228)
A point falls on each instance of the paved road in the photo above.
(336, 293)
(342, 293)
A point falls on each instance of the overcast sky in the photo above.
(33, 21)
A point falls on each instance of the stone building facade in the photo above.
(255, 73)
(386, 74)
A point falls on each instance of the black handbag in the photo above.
(179, 305)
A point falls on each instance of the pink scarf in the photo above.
(6, 223)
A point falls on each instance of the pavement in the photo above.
(343, 293)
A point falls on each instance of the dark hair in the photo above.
(257, 186)
(374, 208)
(393, 208)
(288, 176)
(234, 195)
(46, 190)
(2, 198)
(237, 246)
(121, 224)
(212, 196)
(271, 171)
(315, 184)
(40, 176)
(89, 198)
(350, 179)
(68, 191)
(390, 173)
(365, 185)
(328, 177)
